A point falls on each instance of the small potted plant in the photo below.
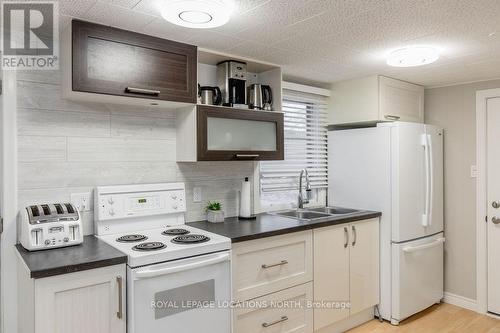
(214, 212)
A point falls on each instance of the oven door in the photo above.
(181, 296)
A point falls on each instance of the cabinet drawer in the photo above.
(113, 61)
(271, 313)
(270, 264)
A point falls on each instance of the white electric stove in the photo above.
(170, 242)
(177, 275)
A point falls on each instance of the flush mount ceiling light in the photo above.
(198, 13)
(412, 56)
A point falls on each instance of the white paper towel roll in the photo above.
(245, 200)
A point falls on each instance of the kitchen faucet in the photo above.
(301, 200)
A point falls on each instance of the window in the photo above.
(305, 147)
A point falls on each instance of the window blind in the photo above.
(305, 144)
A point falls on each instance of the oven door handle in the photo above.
(148, 273)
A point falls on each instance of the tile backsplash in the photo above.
(69, 147)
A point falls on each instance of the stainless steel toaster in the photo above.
(49, 226)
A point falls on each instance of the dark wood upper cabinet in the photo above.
(225, 134)
(113, 61)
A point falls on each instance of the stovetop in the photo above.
(146, 247)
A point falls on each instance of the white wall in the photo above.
(70, 147)
(454, 109)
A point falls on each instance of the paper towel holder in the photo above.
(245, 187)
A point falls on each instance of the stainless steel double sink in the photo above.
(311, 214)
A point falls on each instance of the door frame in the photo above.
(9, 188)
(482, 97)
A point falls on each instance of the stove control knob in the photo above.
(47, 242)
(110, 201)
(174, 207)
(174, 196)
(111, 212)
(66, 239)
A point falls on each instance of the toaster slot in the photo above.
(59, 209)
(46, 209)
(69, 207)
(35, 211)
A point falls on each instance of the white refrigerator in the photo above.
(396, 168)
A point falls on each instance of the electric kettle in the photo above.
(260, 97)
(210, 95)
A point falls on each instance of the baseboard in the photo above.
(463, 302)
(350, 322)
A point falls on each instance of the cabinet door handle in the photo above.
(282, 319)
(391, 117)
(281, 263)
(242, 156)
(142, 91)
(346, 237)
(119, 281)
(354, 235)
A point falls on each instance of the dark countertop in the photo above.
(92, 253)
(267, 225)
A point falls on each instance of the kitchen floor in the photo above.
(442, 318)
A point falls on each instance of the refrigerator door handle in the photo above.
(410, 249)
(431, 179)
(425, 144)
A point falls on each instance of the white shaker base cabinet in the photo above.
(331, 273)
(81, 302)
(267, 265)
(258, 317)
(346, 270)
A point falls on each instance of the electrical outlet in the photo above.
(197, 194)
(81, 201)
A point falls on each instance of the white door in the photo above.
(493, 194)
(409, 181)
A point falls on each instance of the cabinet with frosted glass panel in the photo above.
(214, 133)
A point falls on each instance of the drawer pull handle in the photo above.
(242, 156)
(346, 237)
(282, 319)
(142, 91)
(282, 262)
(391, 117)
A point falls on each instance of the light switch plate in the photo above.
(197, 194)
(473, 171)
(81, 201)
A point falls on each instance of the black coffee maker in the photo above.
(232, 79)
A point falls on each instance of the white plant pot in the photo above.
(215, 216)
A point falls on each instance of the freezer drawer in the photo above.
(417, 275)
